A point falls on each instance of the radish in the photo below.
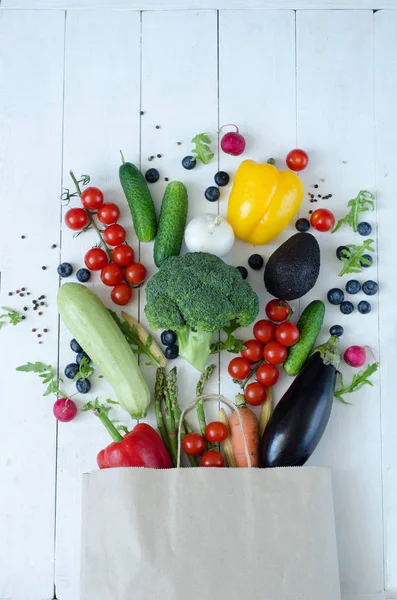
(355, 356)
(64, 410)
(232, 142)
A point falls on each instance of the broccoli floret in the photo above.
(195, 295)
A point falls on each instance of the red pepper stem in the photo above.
(114, 434)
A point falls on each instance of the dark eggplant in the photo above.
(300, 418)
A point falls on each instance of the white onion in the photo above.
(209, 233)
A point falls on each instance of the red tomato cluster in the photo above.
(193, 444)
(268, 349)
(121, 272)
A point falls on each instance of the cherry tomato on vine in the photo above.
(253, 350)
(239, 368)
(212, 458)
(95, 259)
(135, 274)
(76, 218)
(275, 353)
(264, 331)
(92, 198)
(108, 213)
(297, 160)
(121, 294)
(193, 444)
(216, 431)
(123, 255)
(267, 374)
(114, 234)
(278, 310)
(322, 219)
(287, 334)
(255, 393)
(111, 274)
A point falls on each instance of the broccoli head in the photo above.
(195, 295)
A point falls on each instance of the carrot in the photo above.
(251, 430)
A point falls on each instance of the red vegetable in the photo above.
(267, 374)
(114, 234)
(297, 160)
(135, 274)
(355, 356)
(123, 255)
(212, 458)
(322, 219)
(108, 213)
(92, 198)
(264, 331)
(255, 393)
(275, 353)
(239, 368)
(64, 410)
(287, 334)
(193, 444)
(233, 142)
(121, 294)
(278, 310)
(216, 431)
(111, 274)
(76, 218)
(95, 259)
(253, 351)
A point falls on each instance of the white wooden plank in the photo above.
(31, 82)
(336, 126)
(386, 130)
(102, 104)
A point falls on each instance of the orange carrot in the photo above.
(251, 430)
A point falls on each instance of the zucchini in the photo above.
(309, 326)
(172, 223)
(92, 325)
(139, 201)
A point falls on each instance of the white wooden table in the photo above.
(74, 78)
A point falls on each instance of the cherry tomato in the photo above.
(275, 353)
(239, 368)
(123, 255)
(212, 458)
(255, 393)
(108, 213)
(253, 350)
(264, 331)
(76, 218)
(322, 219)
(114, 235)
(92, 198)
(216, 431)
(278, 310)
(135, 274)
(297, 160)
(193, 444)
(95, 259)
(287, 334)
(121, 294)
(111, 274)
(267, 374)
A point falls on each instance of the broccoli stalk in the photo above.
(194, 346)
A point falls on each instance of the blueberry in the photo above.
(83, 275)
(353, 286)
(369, 258)
(339, 251)
(212, 193)
(335, 296)
(83, 386)
(189, 162)
(336, 330)
(346, 307)
(364, 307)
(243, 272)
(370, 288)
(302, 225)
(221, 178)
(364, 228)
(152, 175)
(65, 270)
(75, 346)
(255, 261)
(171, 351)
(71, 370)
(168, 337)
(80, 356)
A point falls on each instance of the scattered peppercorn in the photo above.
(25, 308)
(35, 307)
(22, 295)
(157, 126)
(40, 313)
(34, 330)
(23, 317)
(159, 156)
(310, 212)
(17, 291)
(318, 195)
(166, 179)
(53, 246)
(45, 330)
(44, 268)
(23, 289)
(10, 293)
(179, 143)
(42, 297)
(39, 335)
(28, 293)
(316, 185)
(23, 237)
(41, 303)
(150, 159)
(40, 342)
(142, 112)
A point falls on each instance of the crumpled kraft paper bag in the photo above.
(209, 534)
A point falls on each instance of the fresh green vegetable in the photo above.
(85, 370)
(204, 377)
(231, 344)
(202, 150)
(309, 326)
(48, 376)
(195, 295)
(91, 324)
(364, 201)
(172, 420)
(140, 340)
(158, 397)
(12, 315)
(353, 259)
(172, 223)
(359, 380)
(139, 200)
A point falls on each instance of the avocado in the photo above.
(292, 270)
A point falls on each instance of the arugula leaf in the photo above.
(359, 380)
(364, 201)
(202, 150)
(353, 259)
(37, 367)
(231, 344)
(47, 375)
(12, 315)
(85, 370)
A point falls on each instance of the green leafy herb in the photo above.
(231, 344)
(363, 202)
(85, 370)
(12, 315)
(132, 337)
(353, 259)
(47, 375)
(202, 150)
(102, 412)
(358, 381)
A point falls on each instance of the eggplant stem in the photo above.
(329, 352)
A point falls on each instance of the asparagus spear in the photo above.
(199, 392)
(158, 397)
(170, 421)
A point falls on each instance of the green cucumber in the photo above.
(309, 326)
(139, 201)
(172, 223)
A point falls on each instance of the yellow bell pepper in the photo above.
(263, 201)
